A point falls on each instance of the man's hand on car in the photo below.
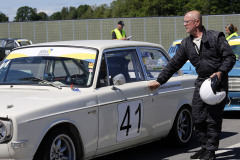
(153, 85)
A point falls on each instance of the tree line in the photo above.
(129, 8)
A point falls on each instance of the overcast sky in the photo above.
(10, 7)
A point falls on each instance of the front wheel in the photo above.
(181, 131)
(59, 145)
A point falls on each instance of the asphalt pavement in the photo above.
(229, 148)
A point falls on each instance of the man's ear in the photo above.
(197, 21)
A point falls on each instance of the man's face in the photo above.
(190, 24)
(120, 27)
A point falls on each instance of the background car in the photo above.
(83, 99)
(7, 45)
(187, 68)
(233, 103)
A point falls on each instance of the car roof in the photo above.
(232, 41)
(177, 42)
(99, 44)
(17, 39)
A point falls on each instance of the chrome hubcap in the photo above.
(62, 148)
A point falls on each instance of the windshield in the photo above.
(236, 50)
(57, 70)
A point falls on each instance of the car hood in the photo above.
(236, 70)
(20, 101)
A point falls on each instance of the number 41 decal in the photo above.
(130, 115)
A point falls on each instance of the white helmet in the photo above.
(208, 91)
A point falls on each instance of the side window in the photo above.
(2, 43)
(154, 61)
(10, 44)
(124, 62)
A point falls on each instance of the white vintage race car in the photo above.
(82, 99)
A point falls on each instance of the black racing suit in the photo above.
(214, 55)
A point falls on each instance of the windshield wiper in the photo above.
(41, 81)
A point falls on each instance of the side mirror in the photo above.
(118, 80)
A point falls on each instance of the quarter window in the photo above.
(10, 44)
(154, 61)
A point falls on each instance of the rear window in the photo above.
(173, 49)
(24, 43)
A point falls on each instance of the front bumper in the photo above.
(4, 152)
(18, 151)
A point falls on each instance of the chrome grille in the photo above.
(234, 83)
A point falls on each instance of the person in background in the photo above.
(119, 33)
(211, 55)
(231, 31)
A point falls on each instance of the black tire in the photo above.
(58, 145)
(182, 128)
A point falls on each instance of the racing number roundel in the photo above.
(130, 115)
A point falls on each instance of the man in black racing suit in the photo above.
(211, 55)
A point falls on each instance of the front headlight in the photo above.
(5, 130)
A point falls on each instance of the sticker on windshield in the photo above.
(66, 52)
(90, 65)
(130, 116)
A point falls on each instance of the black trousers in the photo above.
(207, 119)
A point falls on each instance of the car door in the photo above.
(169, 97)
(127, 112)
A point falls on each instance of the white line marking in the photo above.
(230, 148)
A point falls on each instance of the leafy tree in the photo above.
(117, 8)
(88, 14)
(204, 6)
(234, 7)
(99, 12)
(3, 17)
(134, 8)
(72, 13)
(26, 14)
(179, 7)
(64, 13)
(108, 13)
(56, 16)
(42, 16)
(81, 10)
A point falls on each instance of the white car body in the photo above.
(105, 119)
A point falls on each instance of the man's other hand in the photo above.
(219, 74)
